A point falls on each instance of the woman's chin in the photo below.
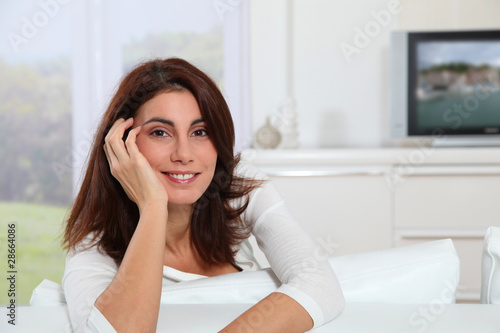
(183, 198)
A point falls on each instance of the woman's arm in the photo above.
(137, 284)
(275, 313)
(311, 291)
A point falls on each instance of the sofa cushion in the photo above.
(419, 273)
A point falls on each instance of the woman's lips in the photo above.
(181, 178)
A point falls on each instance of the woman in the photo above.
(165, 200)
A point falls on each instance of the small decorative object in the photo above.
(286, 124)
(267, 137)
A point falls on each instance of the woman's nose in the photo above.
(182, 152)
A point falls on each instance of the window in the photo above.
(60, 64)
(35, 113)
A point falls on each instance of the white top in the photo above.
(306, 276)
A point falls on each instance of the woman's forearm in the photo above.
(274, 314)
(137, 284)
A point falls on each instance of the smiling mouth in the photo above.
(180, 176)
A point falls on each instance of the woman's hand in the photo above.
(130, 167)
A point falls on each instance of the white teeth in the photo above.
(181, 176)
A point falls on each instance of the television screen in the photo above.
(454, 83)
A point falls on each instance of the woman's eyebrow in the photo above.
(171, 123)
(197, 121)
(160, 120)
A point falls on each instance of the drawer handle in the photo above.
(408, 171)
(323, 173)
(475, 233)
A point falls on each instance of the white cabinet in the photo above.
(448, 196)
(457, 202)
(357, 200)
(350, 212)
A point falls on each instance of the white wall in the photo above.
(342, 102)
(267, 58)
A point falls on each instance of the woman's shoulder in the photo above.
(88, 254)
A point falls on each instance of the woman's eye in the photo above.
(159, 133)
(200, 132)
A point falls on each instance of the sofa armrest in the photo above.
(490, 269)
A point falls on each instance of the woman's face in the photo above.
(175, 141)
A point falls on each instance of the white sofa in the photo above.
(490, 269)
(397, 290)
(412, 274)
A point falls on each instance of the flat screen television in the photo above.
(446, 85)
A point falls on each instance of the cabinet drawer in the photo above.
(351, 212)
(448, 197)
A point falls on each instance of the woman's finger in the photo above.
(112, 159)
(130, 143)
(114, 147)
(114, 140)
(113, 128)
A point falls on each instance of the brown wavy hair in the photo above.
(102, 207)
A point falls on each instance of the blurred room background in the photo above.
(60, 62)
